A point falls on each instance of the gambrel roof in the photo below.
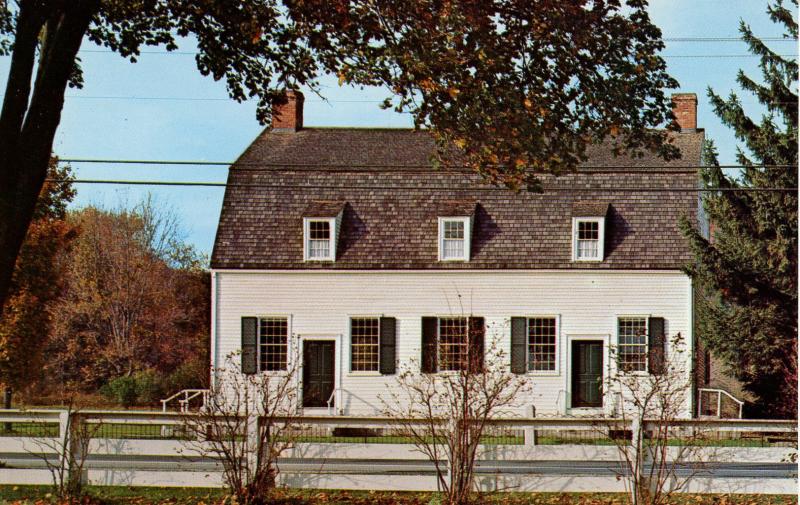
(391, 197)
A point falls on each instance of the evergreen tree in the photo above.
(747, 272)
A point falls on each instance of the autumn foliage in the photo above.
(102, 294)
(37, 282)
(135, 304)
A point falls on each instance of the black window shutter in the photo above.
(519, 344)
(475, 354)
(388, 365)
(430, 327)
(249, 345)
(655, 350)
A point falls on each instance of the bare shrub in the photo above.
(446, 414)
(65, 455)
(659, 456)
(248, 421)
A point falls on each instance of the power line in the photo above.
(665, 39)
(360, 167)
(559, 189)
(727, 39)
(667, 56)
(190, 99)
(228, 99)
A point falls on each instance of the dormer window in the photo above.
(319, 240)
(588, 239)
(588, 231)
(454, 238)
(321, 231)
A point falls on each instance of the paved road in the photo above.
(410, 467)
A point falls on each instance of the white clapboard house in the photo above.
(346, 248)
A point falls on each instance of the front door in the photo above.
(587, 373)
(318, 372)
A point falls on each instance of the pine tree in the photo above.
(747, 272)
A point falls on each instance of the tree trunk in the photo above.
(29, 118)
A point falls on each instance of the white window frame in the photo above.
(332, 222)
(439, 368)
(467, 221)
(350, 347)
(557, 369)
(646, 318)
(289, 348)
(601, 224)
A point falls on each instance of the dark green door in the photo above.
(587, 373)
(318, 373)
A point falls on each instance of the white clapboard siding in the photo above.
(320, 303)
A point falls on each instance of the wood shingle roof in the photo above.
(391, 198)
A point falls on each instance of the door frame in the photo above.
(337, 371)
(604, 339)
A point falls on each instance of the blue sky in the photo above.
(162, 108)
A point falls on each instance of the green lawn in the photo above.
(132, 431)
(33, 495)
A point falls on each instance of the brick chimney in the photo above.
(684, 108)
(288, 116)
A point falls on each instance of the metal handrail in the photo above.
(331, 398)
(188, 395)
(719, 392)
(562, 409)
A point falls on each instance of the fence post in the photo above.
(530, 432)
(69, 426)
(637, 439)
(7, 405)
(64, 438)
(76, 447)
(252, 443)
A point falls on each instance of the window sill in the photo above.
(587, 260)
(273, 373)
(543, 373)
(637, 373)
(364, 374)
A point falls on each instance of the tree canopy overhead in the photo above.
(747, 271)
(519, 86)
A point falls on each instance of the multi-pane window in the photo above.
(273, 343)
(632, 343)
(453, 343)
(541, 344)
(454, 239)
(587, 244)
(588, 239)
(364, 344)
(319, 240)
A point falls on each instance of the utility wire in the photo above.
(559, 189)
(722, 55)
(228, 99)
(665, 39)
(667, 56)
(359, 167)
(727, 39)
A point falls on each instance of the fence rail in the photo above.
(321, 429)
(157, 442)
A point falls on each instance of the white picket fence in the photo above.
(539, 454)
